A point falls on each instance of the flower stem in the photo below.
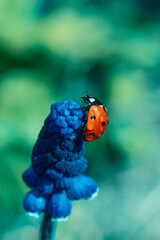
(48, 229)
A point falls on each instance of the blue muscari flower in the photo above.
(59, 206)
(45, 185)
(82, 187)
(35, 202)
(58, 164)
(30, 178)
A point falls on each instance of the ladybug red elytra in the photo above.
(97, 119)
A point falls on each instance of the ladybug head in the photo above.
(89, 99)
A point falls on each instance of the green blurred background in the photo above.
(51, 50)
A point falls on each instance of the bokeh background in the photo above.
(51, 50)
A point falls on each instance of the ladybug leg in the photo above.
(82, 126)
(85, 108)
(105, 109)
(84, 122)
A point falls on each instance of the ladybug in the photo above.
(97, 119)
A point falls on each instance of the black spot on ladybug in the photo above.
(93, 117)
(103, 123)
(91, 134)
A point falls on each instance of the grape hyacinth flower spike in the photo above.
(56, 173)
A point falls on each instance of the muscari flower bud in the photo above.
(58, 164)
